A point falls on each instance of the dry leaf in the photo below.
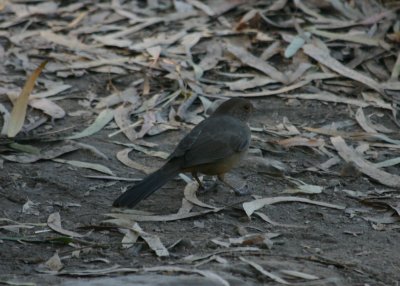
(54, 263)
(102, 120)
(365, 167)
(18, 113)
(54, 222)
(252, 206)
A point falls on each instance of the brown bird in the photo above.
(213, 147)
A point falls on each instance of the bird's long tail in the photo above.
(147, 186)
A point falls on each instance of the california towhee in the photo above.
(213, 147)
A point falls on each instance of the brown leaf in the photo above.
(18, 113)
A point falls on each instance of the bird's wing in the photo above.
(216, 139)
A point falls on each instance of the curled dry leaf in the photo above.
(190, 195)
(122, 116)
(123, 157)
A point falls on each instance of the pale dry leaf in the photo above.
(265, 218)
(277, 5)
(284, 89)
(6, 119)
(186, 207)
(262, 239)
(301, 69)
(168, 217)
(202, 6)
(53, 90)
(322, 56)
(92, 166)
(149, 120)
(122, 116)
(388, 163)
(355, 135)
(43, 155)
(49, 107)
(30, 208)
(54, 222)
(147, 151)
(190, 195)
(252, 206)
(161, 39)
(296, 43)
(128, 95)
(355, 38)
(153, 241)
(54, 263)
(123, 157)
(249, 59)
(101, 121)
(64, 40)
(212, 57)
(363, 122)
(244, 83)
(196, 257)
(301, 141)
(330, 97)
(298, 274)
(364, 166)
(260, 269)
(303, 188)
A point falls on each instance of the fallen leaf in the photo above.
(48, 154)
(18, 112)
(365, 167)
(252, 206)
(86, 165)
(102, 120)
(260, 269)
(249, 59)
(54, 263)
(54, 222)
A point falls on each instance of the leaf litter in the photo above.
(337, 54)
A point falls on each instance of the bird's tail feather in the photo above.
(147, 186)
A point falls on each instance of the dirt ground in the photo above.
(338, 246)
(351, 246)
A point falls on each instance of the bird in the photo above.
(213, 147)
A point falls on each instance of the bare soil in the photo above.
(339, 246)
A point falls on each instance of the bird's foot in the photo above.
(207, 186)
(242, 191)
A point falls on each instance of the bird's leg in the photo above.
(194, 174)
(202, 188)
(242, 191)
